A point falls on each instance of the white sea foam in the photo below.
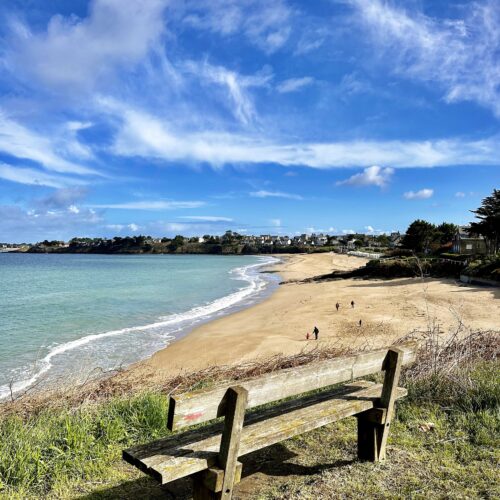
(166, 327)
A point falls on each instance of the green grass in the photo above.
(444, 444)
(439, 447)
(49, 451)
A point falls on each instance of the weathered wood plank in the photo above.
(373, 425)
(227, 459)
(168, 464)
(392, 367)
(201, 406)
(236, 403)
(139, 455)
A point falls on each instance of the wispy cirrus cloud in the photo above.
(275, 194)
(146, 135)
(207, 218)
(460, 55)
(422, 194)
(151, 205)
(371, 176)
(267, 25)
(237, 85)
(21, 142)
(294, 84)
(33, 177)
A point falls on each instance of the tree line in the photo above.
(425, 237)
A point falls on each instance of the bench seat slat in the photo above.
(179, 456)
(201, 406)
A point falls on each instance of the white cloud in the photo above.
(77, 52)
(311, 40)
(152, 205)
(141, 134)
(348, 231)
(236, 85)
(115, 227)
(369, 229)
(294, 84)
(265, 24)
(275, 222)
(63, 198)
(40, 224)
(460, 55)
(174, 226)
(419, 195)
(275, 194)
(371, 176)
(460, 194)
(30, 176)
(207, 218)
(17, 140)
(73, 209)
(76, 125)
(133, 227)
(352, 85)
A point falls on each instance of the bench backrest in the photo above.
(201, 406)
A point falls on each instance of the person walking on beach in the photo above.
(316, 332)
(352, 304)
(337, 305)
(360, 322)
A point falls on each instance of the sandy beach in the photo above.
(388, 309)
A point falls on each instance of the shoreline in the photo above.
(274, 321)
(278, 325)
(258, 287)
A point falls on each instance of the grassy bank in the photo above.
(444, 444)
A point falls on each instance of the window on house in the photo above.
(468, 246)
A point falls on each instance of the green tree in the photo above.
(419, 236)
(177, 242)
(383, 239)
(489, 221)
(445, 233)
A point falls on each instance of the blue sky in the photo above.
(192, 117)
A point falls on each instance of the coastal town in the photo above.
(461, 240)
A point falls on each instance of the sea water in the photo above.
(68, 317)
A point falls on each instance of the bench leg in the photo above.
(200, 490)
(235, 406)
(374, 425)
(368, 439)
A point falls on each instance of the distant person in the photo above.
(316, 332)
(337, 305)
(360, 322)
(352, 304)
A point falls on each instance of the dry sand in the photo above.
(388, 309)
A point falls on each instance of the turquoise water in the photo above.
(64, 317)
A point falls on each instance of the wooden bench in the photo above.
(210, 453)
